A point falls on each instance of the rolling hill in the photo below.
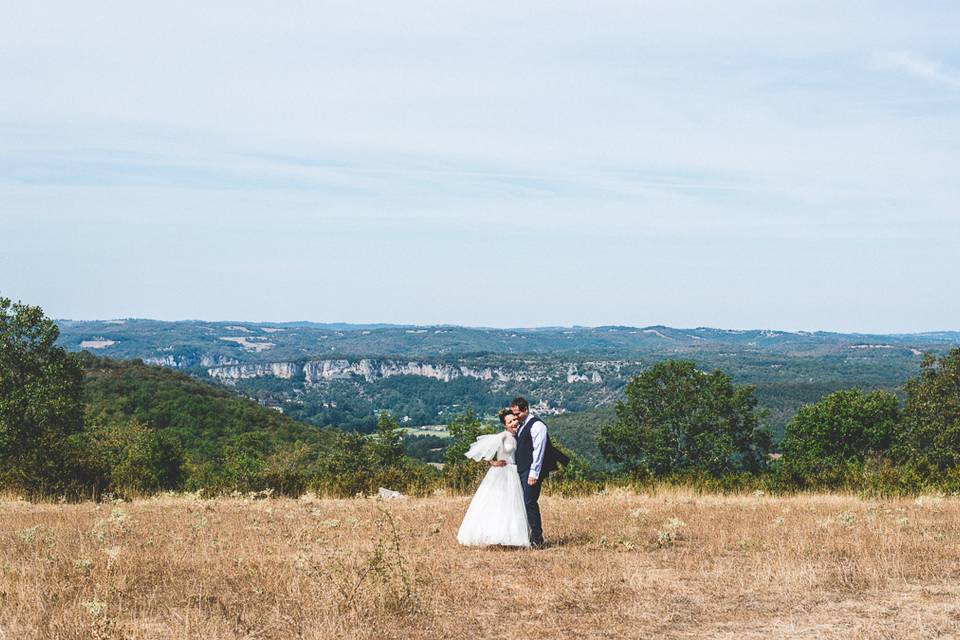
(204, 417)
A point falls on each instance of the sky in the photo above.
(784, 165)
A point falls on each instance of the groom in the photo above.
(536, 458)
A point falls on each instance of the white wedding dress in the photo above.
(496, 514)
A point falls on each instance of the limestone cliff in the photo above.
(371, 370)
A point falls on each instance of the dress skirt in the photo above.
(496, 515)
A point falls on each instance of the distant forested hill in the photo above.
(191, 343)
(204, 417)
(344, 375)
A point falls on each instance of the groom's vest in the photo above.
(524, 453)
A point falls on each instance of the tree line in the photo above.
(75, 425)
(78, 426)
(680, 423)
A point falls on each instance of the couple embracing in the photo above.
(505, 510)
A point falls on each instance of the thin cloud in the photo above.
(920, 67)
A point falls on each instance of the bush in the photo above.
(464, 477)
(244, 462)
(929, 438)
(827, 443)
(125, 458)
(287, 470)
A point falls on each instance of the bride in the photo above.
(496, 514)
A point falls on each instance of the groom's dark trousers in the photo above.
(531, 500)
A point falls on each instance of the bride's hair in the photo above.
(502, 414)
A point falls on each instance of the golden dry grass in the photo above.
(621, 565)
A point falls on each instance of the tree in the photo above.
(678, 419)
(843, 428)
(124, 457)
(464, 429)
(345, 469)
(425, 448)
(40, 399)
(388, 441)
(460, 473)
(929, 439)
(244, 458)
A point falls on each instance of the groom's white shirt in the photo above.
(538, 433)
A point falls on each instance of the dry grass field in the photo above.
(621, 565)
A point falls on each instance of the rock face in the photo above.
(97, 343)
(209, 361)
(232, 373)
(590, 377)
(187, 361)
(319, 371)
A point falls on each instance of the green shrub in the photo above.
(464, 477)
(287, 470)
(827, 443)
(929, 437)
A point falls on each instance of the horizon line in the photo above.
(393, 325)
